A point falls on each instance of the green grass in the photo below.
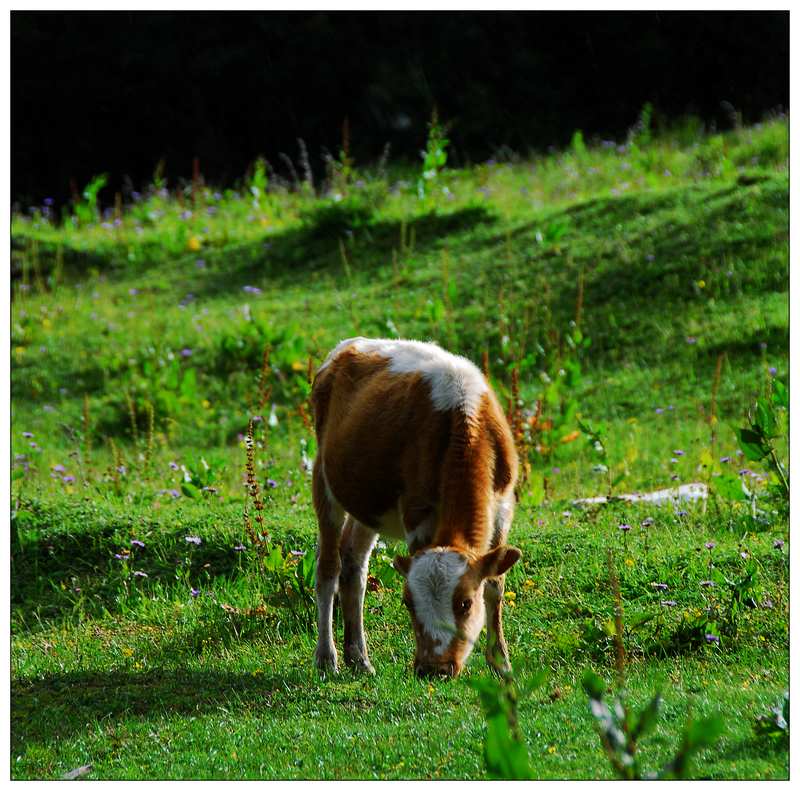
(670, 255)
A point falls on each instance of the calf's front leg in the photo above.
(496, 648)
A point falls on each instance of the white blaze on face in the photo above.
(432, 580)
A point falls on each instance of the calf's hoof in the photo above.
(359, 664)
(325, 661)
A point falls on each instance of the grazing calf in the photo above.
(412, 444)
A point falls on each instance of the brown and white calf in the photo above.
(412, 444)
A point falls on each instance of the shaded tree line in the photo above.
(120, 91)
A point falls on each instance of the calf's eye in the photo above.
(464, 605)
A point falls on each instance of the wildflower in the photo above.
(123, 555)
(691, 340)
(711, 638)
(744, 555)
(624, 527)
(706, 584)
(173, 465)
(251, 289)
(777, 544)
(659, 586)
(709, 545)
(678, 452)
(200, 263)
(647, 522)
(773, 371)
(195, 593)
(133, 291)
(669, 603)
(136, 543)
(556, 470)
(59, 468)
(186, 352)
(725, 459)
(510, 595)
(298, 553)
(681, 513)
(68, 479)
(630, 562)
(27, 435)
(762, 346)
(272, 484)
(172, 492)
(240, 548)
(673, 460)
(122, 469)
(196, 540)
(139, 574)
(659, 410)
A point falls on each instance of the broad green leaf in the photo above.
(752, 444)
(190, 490)
(729, 487)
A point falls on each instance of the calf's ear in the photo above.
(498, 561)
(401, 564)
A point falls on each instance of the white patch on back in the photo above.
(455, 382)
(432, 581)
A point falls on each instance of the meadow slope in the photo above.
(630, 301)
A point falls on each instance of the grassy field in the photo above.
(637, 291)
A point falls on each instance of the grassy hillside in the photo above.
(636, 290)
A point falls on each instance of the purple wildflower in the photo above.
(172, 492)
(691, 340)
(196, 540)
(725, 459)
(624, 527)
(669, 603)
(777, 544)
(647, 522)
(773, 371)
(133, 291)
(195, 593)
(678, 452)
(711, 638)
(706, 584)
(251, 289)
(659, 410)
(659, 586)
(556, 470)
(272, 484)
(186, 215)
(173, 465)
(27, 435)
(200, 263)
(139, 574)
(709, 545)
(59, 468)
(68, 479)
(681, 513)
(240, 548)
(122, 469)
(298, 553)
(136, 543)
(673, 460)
(186, 352)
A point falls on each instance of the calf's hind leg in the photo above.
(356, 546)
(329, 517)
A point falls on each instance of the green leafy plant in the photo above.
(621, 727)
(86, 210)
(504, 751)
(757, 438)
(775, 725)
(434, 157)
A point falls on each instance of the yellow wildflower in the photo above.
(194, 244)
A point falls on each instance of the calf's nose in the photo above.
(427, 669)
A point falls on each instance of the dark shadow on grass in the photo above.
(57, 706)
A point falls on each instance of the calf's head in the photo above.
(443, 592)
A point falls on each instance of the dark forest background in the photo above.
(117, 92)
